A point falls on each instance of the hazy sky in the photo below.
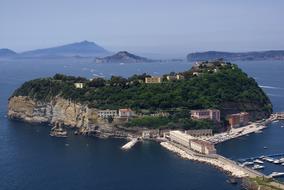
(143, 26)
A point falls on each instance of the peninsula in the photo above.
(237, 56)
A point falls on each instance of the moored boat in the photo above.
(276, 174)
(258, 161)
(257, 167)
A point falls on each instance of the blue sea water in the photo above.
(31, 159)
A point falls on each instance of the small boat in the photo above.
(282, 126)
(258, 161)
(265, 147)
(268, 159)
(282, 164)
(258, 131)
(58, 132)
(276, 174)
(257, 167)
(275, 121)
(281, 160)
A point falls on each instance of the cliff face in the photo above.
(58, 110)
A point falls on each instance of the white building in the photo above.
(181, 138)
(107, 113)
(79, 85)
(175, 77)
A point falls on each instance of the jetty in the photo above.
(130, 144)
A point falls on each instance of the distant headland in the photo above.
(242, 56)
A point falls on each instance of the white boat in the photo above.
(282, 164)
(275, 121)
(258, 131)
(247, 163)
(268, 159)
(258, 161)
(276, 162)
(281, 160)
(276, 174)
(257, 167)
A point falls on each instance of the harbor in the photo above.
(251, 167)
(253, 127)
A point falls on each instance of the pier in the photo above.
(130, 144)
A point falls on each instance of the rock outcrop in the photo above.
(58, 110)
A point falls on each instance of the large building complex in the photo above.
(181, 138)
(238, 119)
(191, 143)
(202, 147)
(212, 114)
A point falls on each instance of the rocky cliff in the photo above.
(58, 110)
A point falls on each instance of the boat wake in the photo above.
(271, 87)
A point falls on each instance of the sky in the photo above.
(172, 27)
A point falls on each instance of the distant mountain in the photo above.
(242, 56)
(123, 57)
(7, 53)
(83, 49)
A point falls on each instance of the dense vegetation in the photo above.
(218, 84)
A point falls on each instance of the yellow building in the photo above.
(152, 80)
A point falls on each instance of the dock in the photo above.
(130, 144)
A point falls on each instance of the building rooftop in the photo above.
(182, 135)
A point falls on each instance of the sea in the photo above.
(31, 159)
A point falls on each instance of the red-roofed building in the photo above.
(125, 112)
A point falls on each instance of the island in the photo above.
(147, 102)
(180, 110)
(123, 57)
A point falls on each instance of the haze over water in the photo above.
(31, 159)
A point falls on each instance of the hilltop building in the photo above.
(238, 119)
(153, 80)
(212, 114)
(79, 85)
(175, 77)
